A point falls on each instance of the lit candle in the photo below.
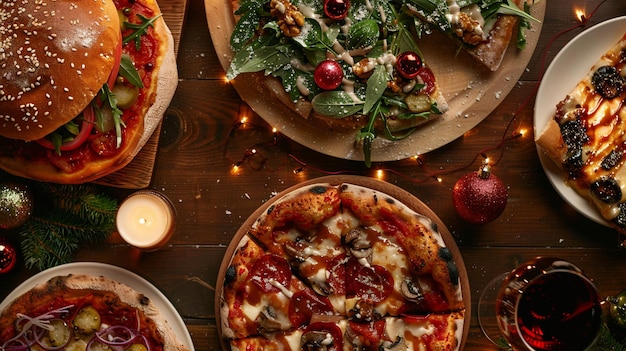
(146, 219)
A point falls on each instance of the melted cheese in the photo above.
(605, 120)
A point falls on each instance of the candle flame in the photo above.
(580, 15)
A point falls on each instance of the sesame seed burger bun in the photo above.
(61, 53)
(98, 155)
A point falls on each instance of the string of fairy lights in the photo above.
(256, 158)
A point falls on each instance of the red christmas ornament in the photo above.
(328, 75)
(409, 64)
(336, 9)
(479, 197)
(8, 256)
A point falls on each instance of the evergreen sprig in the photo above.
(64, 217)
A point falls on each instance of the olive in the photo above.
(607, 82)
(87, 320)
(612, 159)
(606, 189)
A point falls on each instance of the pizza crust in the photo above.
(551, 142)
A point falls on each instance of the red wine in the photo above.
(559, 311)
(549, 308)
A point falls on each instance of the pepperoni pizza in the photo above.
(335, 266)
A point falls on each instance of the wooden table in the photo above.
(194, 167)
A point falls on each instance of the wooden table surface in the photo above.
(194, 167)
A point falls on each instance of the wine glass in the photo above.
(544, 304)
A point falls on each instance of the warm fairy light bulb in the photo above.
(274, 130)
(243, 120)
(523, 132)
(379, 174)
(226, 80)
(580, 15)
(438, 179)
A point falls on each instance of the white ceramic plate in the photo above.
(569, 66)
(119, 275)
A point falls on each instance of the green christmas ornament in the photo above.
(617, 309)
(16, 205)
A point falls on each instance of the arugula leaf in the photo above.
(250, 18)
(128, 71)
(335, 104)
(511, 9)
(108, 98)
(362, 34)
(256, 59)
(404, 40)
(376, 86)
(139, 29)
(312, 36)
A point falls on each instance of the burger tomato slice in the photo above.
(74, 133)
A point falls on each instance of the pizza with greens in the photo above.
(355, 64)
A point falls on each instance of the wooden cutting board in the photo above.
(138, 173)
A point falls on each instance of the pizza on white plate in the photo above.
(79, 312)
(585, 137)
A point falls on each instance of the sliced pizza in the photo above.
(338, 265)
(585, 139)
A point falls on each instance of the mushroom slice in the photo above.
(397, 345)
(321, 287)
(269, 322)
(360, 247)
(296, 249)
(316, 340)
(411, 290)
(363, 311)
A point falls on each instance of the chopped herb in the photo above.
(139, 29)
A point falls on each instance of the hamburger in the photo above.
(83, 85)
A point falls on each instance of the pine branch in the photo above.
(45, 243)
(68, 215)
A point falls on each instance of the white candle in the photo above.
(146, 219)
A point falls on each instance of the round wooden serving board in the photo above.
(393, 191)
(471, 89)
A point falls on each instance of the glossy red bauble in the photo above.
(8, 256)
(408, 64)
(328, 75)
(479, 197)
(336, 9)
